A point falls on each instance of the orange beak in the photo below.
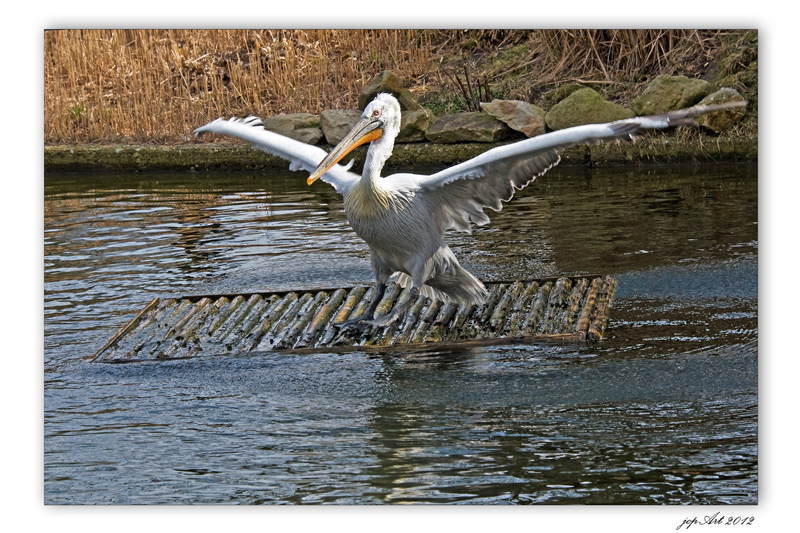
(367, 130)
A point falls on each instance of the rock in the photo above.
(386, 82)
(584, 107)
(551, 98)
(669, 93)
(473, 126)
(303, 127)
(413, 125)
(336, 123)
(722, 120)
(517, 115)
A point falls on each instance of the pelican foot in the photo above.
(357, 324)
(384, 320)
(397, 312)
(361, 324)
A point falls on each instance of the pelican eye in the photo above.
(376, 113)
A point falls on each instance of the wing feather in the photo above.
(301, 156)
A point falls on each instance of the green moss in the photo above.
(560, 93)
(507, 59)
(662, 149)
(736, 66)
(444, 104)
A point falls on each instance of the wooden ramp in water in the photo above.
(571, 309)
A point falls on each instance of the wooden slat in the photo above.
(563, 310)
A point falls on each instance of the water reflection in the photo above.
(664, 410)
(483, 428)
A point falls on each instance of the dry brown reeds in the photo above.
(627, 54)
(141, 86)
(157, 85)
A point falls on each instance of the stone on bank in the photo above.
(584, 107)
(669, 93)
(520, 116)
(471, 126)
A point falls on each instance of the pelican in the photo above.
(403, 217)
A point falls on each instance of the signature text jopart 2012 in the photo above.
(718, 520)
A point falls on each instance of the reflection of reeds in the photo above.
(158, 85)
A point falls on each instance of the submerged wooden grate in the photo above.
(563, 309)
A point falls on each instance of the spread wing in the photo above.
(463, 190)
(301, 156)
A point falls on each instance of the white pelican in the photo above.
(403, 217)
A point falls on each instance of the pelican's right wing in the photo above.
(301, 156)
(462, 191)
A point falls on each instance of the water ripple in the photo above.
(662, 411)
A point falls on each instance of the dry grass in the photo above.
(625, 55)
(527, 65)
(155, 86)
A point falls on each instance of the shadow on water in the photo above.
(663, 410)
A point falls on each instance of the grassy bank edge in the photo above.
(225, 157)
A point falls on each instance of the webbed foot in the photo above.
(361, 324)
(357, 324)
(384, 320)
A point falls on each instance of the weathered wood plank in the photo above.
(567, 309)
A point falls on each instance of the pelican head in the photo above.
(382, 115)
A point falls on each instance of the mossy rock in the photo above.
(472, 126)
(722, 120)
(669, 93)
(584, 107)
(556, 95)
(413, 125)
(303, 127)
(386, 82)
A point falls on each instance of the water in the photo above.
(663, 410)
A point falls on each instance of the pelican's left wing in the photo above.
(301, 156)
(462, 191)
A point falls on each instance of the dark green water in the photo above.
(664, 410)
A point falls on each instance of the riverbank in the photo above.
(649, 150)
(101, 118)
(131, 87)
